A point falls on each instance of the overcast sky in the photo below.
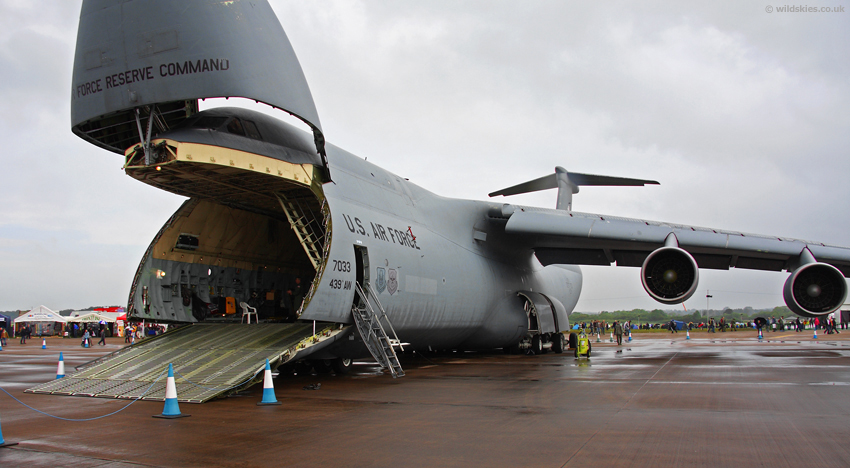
(742, 115)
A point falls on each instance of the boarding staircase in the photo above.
(309, 226)
(209, 360)
(368, 322)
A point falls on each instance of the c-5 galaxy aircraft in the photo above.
(270, 204)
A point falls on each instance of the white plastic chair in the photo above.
(248, 311)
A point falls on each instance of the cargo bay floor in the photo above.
(721, 400)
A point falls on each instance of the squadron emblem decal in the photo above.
(392, 282)
(381, 281)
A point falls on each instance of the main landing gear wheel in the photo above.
(558, 342)
(537, 344)
(342, 366)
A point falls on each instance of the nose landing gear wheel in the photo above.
(323, 366)
(341, 366)
(303, 368)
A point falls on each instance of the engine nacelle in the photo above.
(815, 289)
(670, 275)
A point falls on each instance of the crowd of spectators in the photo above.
(771, 324)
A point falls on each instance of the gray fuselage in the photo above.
(443, 269)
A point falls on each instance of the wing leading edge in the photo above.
(591, 239)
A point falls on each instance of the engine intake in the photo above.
(670, 275)
(815, 289)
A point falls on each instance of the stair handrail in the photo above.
(368, 306)
(374, 295)
(371, 338)
(373, 318)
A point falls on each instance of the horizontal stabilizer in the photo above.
(543, 183)
(568, 183)
(591, 179)
(551, 181)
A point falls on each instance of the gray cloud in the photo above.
(738, 113)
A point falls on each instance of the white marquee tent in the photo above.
(91, 317)
(106, 316)
(44, 321)
(40, 314)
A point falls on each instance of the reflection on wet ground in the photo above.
(658, 401)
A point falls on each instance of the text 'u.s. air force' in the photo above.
(386, 234)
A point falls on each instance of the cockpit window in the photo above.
(209, 122)
(251, 130)
(235, 127)
(232, 125)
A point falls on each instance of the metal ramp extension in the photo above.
(216, 359)
(369, 325)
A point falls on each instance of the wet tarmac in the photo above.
(715, 400)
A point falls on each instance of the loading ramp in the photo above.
(210, 360)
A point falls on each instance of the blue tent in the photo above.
(6, 322)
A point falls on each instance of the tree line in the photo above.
(659, 316)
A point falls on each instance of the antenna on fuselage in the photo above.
(568, 183)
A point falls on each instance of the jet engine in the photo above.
(815, 289)
(670, 275)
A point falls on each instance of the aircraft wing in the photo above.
(568, 237)
(671, 255)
